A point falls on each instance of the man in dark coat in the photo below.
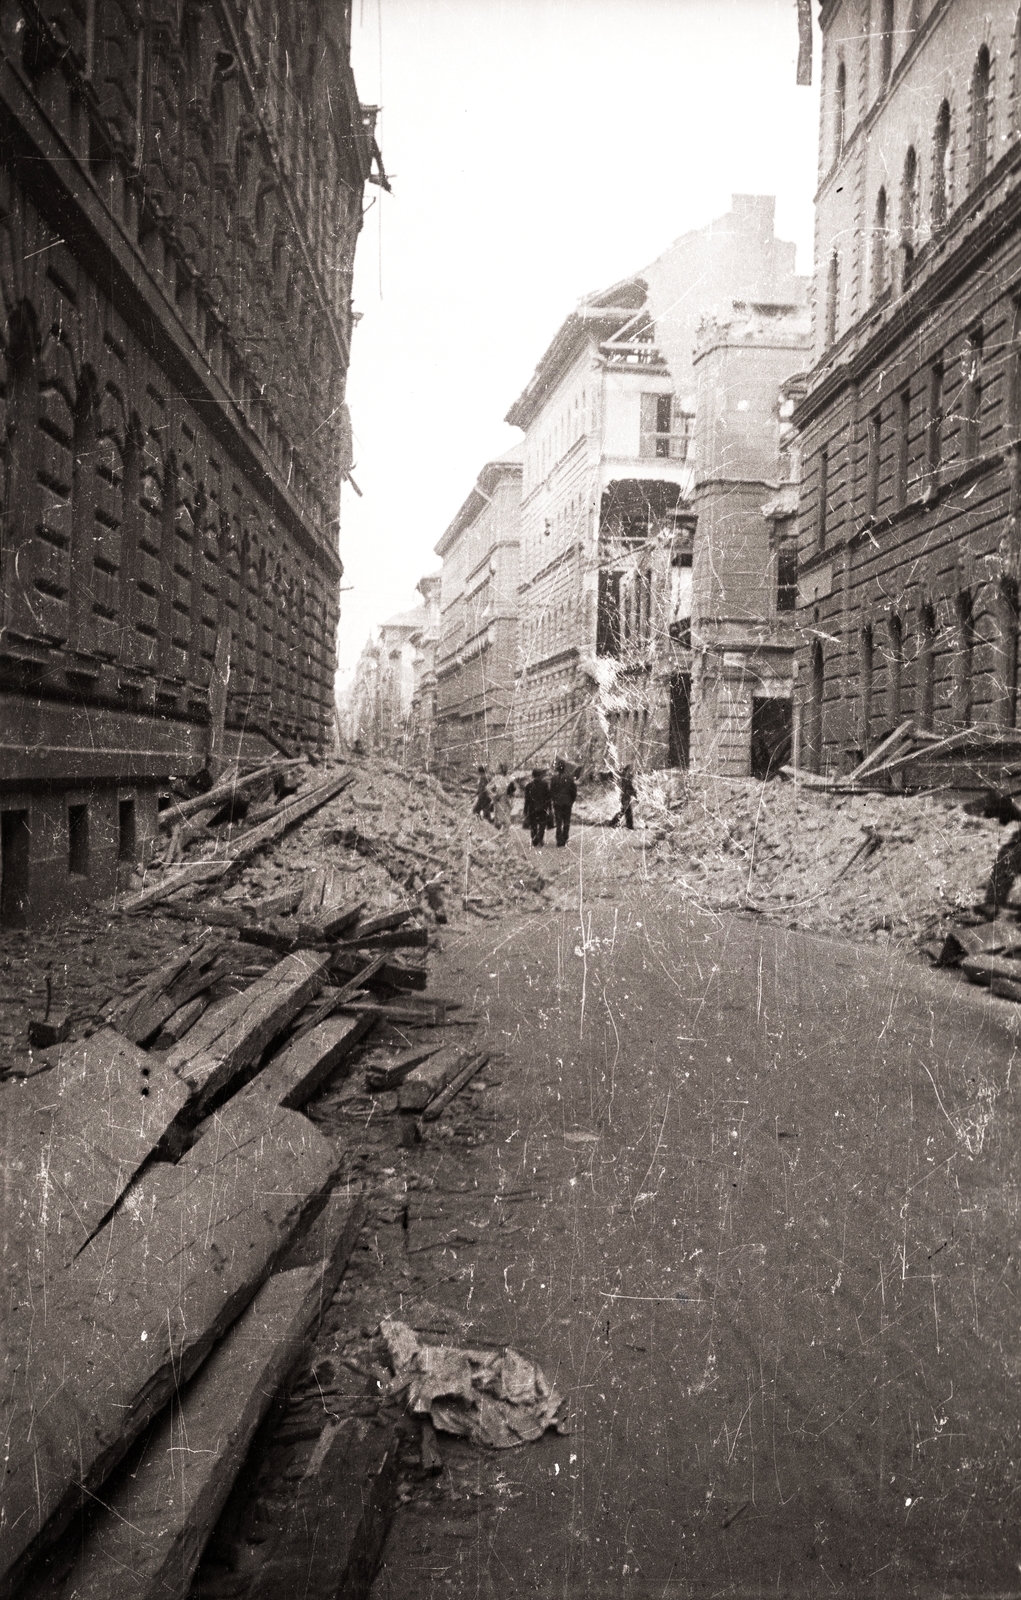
(537, 804)
(483, 806)
(627, 799)
(563, 793)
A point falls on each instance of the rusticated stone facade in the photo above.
(180, 194)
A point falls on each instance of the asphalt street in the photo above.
(761, 1231)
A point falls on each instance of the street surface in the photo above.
(760, 1228)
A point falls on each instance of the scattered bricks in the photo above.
(425, 1082)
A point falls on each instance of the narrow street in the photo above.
(758, 1226)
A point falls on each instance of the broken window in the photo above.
(665, 428)
(787, 576)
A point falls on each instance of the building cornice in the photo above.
(477, 501)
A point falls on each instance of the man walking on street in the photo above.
(563, 793)
(483, 806)
(627, 799)
(537, 803)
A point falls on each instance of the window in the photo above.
(971, 394)
(885, 42)
(787, 576)
(665, 428)
(866, 681)
(909, 214)
(1006, 673)
(1014, 376)
(895, 671)
(608, 614)
(817, 693)
(126, 838)
(15, 840)
(879, 248)
(840, 111)
(822, 507)
(934, 426)
(979, 149)
(875, 443)
(83, 514)
(927, 667)
(78, 841)
(964, 656)
(832, 292)
(903, 444)
(680, 599)
(941, 167)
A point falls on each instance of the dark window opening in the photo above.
(964, 659)
(903, 445)
(817, 691)
(879, 246)
(971, 393)
(840, 111)
(14, 844)
(867, 679)
(941, 167)
(822, 509)
(886, 43)
(909, 214)
(875, 441)
(126, 842)
(78, 841)
(927, 667)
(979, 154)
(787, 577)
(608, 621)
(665, 428)
(1008, 664)
(772, 733)
(679, 749)
(832, 297)
(895, 671)
(680, 599)
(934, 440)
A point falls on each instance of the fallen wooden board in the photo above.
(1006, 988)
(392, 1073)
(385, 923)
(147, 1299)
(305, 1063)
(71, 1145)
(985, 938)
(234, 1033)
(245, 846)
(428, 1080)
(222, 792)
(210, 964)
(884, 748)
(180, 1021)
(982, 969)
(161, 1507)
(454, 1087)
(399, 939)
(336, 919)
(422, 1016)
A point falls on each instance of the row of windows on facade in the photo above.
(892, 684)
(905, 233)
(889, 431)
(665, 433)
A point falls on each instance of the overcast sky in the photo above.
(538, 150)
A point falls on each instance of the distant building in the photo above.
(608, 526)
(476, 653)
(745, 567)
(909, 538)
(180, 193)
(389, 707)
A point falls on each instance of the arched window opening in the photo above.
(840, 111)
(979, 150)
(927, 667)
(909, 214)
(832, 295)
(83, 512)
(886, 43)
(941, 167)
(879, 247)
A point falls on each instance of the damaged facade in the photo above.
(909, 547)
(609, 594)
(180, 195)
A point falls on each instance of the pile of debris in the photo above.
(174, 1225)
(912, 760)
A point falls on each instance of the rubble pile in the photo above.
(871, 867)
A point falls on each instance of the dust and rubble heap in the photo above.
(869, 866)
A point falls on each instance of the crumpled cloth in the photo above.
(496, 1398)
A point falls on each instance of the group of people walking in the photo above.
(548, 801)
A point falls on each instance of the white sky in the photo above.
(538, 149)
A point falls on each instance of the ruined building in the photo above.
(610, 594)
(180, 194)
(909, 543)
(476, 653)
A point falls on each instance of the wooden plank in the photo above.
(421, 1016)
(162, 1506)
(336, 919)
(983, 969)
(304, 1064)
(454, 1087)
(245, 846)
(234, 1033)
(179, 1022)
(428, 1080)
(385, 923)
(199, 975)
(147, 1299)
(312, 894)
(222, 792)
(400, 938)
(883, 748)
(390, 1074)
(71, 1145)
